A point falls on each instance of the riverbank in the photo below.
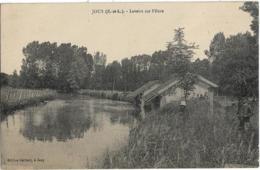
(106, 94)
(13, 99)
(164, 140)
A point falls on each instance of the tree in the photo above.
(201, 67)
(97, 78)
(65, 67)
(215, 55)
(14, 79)
(181, 52)
(187, 84)
(239, 76)
(216, 47)
(127, 74)
(113, 76)
(252, 9)
(37, 67)
(158, 69)
(3, 79)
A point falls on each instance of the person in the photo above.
(140, 105)
(183, 111)
(244, 116)
(182, 106)
(137, 101)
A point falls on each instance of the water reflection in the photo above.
(70, 119)
(66, 133)
(67, 123)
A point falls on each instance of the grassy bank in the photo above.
(12, 99)
(163, 140)
(106, 94)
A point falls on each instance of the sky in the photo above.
(117, 35)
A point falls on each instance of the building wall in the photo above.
(178, 94)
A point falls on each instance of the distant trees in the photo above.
(113, 76)
(65, 67)
(14, 80)
(159, 62)
(3, 79)
(232, 63)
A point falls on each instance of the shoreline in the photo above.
(8, 108)
(13, 99)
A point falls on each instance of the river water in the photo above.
(71, 133)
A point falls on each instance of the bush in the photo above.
(113, 95)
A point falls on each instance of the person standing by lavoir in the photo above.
(140, 105)
(141, 101)
(244, 116)
(183, 111)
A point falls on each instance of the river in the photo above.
(67, 133)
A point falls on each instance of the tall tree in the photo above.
(239, 76)
(253, 9)
(158, 65)
(180, 61)
(65, 67)
(113, 76)
(216, 54)
(181, 52)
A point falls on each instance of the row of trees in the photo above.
(67, 67)
(232, 63)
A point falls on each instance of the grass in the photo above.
(106, 94)
(164, 140)
(12, 99)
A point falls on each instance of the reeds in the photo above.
(12, 98)
(165, 140)
(106, 94)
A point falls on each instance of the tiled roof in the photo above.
(169, 84)
(142, 88)
(163, 86)
(159, 90)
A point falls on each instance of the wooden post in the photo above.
(211, 103)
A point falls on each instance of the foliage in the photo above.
(65, 67)
(14, 79)
(181, 52)
(163, 140)
(252, 8)
(187, 84)
(107, 94)
(3, 79)
(201, 67)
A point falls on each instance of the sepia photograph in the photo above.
(129, 85)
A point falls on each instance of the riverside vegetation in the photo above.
(106, 94)
(163, 140)
(12, 99)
